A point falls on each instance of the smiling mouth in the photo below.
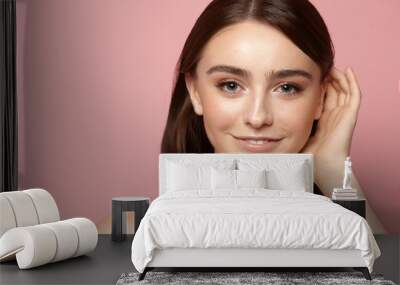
(259, 142)
(257, 145)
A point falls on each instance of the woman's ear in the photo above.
(194, 96)
(320, 108)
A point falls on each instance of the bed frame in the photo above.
(243, 259)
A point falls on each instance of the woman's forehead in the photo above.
(255, 46)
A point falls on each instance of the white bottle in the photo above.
(347, 174)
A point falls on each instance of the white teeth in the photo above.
(257, 141)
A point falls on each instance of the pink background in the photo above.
(94, 84)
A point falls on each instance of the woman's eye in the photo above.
(229, 86)
(290, 89)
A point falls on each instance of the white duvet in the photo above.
(250, 218)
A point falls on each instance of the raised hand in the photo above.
(332, 140)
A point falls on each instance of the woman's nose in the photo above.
(259, 112)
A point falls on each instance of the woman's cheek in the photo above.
(297, 121)
(220, 118)
(221, 113)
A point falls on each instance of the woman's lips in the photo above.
(257, 145)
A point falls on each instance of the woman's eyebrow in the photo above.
(274, 74)
(230, 69)
(283, 73)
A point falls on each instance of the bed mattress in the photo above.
(250, 218)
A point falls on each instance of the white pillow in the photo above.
(223, 179)
(281, 174)
(251, 178)
(188, 174)
(189, 177)
(292, 178)
(236, 179)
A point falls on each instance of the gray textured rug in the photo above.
(225, 278)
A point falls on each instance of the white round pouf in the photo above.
(7, 218)
(67, 239)
(87, 233)
(33, 246)
(23, 208)
(46, 207)
(31, 232)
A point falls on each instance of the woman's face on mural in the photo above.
(253, 82)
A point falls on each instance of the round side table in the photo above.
(126, 204)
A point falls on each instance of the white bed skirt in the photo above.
(251, 257)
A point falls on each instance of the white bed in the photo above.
(224, 226)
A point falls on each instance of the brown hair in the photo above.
(297, 19)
